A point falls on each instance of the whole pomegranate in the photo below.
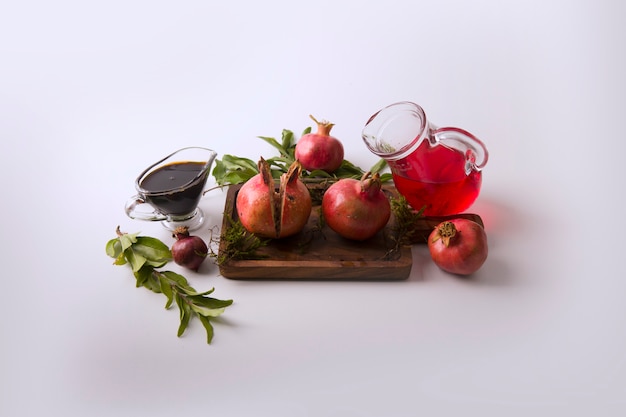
(271, 213)
(458, 246)
(188, 251)
(356, 209)
(320, 151)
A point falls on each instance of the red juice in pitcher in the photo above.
(434, 178)
(435, 169)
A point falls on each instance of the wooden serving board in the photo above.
(321, 254)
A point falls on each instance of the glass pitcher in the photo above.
(435, 169)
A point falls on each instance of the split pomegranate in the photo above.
(188, 251)
(356, 209)
(320, 151)
(271, 213)
(458, 246)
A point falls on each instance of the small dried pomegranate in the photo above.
(356, 209)
(458, 246)
(188, 251)
(271, 213)
(320, 150)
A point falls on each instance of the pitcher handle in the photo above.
(133, 210)
(474, 149)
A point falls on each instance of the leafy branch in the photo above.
(236, 170)
(145, 255)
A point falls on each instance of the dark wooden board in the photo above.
(316, 254)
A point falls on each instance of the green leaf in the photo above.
(208, 327)
(289, 144)
(320, 173)
(348, 170)
(114, 248)
(236, 177)
(156, 264)
(166, 289)
(152, 249)
(280, 162)
(275, 144)
(135, 260)
(188, 290)
(287, 139)
(151, 280)
(378, 166)
(121, 260)
(306, 131)
(142, 276)
(207, 292)
(210, 302)
(279, 165)
(184, 314)
(234, 170)
(177, 279)
(127, 240)
(207, 312)
(386, 177)
(237, 162)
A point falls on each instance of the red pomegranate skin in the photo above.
(320, 150)
(319, 153)
(188, 251)
(354, 209)
(296, 208)
(270, 212)
(254, 207)
(465, 251)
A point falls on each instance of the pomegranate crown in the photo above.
(324, 127)
(370, 183)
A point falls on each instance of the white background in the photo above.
(93, 92)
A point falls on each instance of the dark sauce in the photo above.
(175, 189)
